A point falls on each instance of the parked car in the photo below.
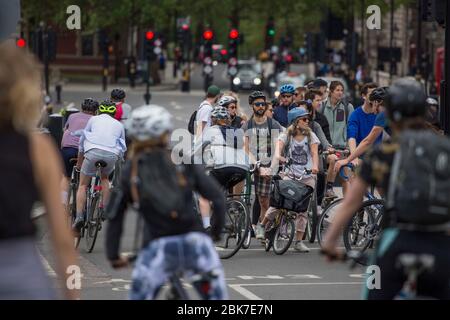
(249, 76)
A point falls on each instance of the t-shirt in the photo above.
(381, 121)
(360, 124)
(204, 113)
(75, 122)
(300, 153)
(259, 137)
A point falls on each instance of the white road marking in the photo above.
(176, 106)
(50, 271)
(244, 292)
(294, 284)
(303, 276)
(272, 277)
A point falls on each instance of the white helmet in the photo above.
(149, 122)
(220, 113)
(225, 101)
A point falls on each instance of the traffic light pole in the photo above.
(147, 95)
(105, 67)
(46, 62)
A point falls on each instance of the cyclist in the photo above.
(238, 118)
(376, 99)
(280, 112)
(260, 132)
(123, 109)
(337, 113)
(405, 107)
(299, 145)
(230, 103)
(31, 170)
(432, 114)
(299, 95)
(315, 96)
(70, 141)
(176, 239)
(102, 139)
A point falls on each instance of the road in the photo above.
(251, 274)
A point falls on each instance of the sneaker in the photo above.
(300, 246)
(259, 232)
(330, 193)
(78, 223)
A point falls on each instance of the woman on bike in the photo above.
(31, 171)
(405, 107)
(163, 193)
(103, 139)
(298, 146)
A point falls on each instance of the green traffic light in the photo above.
(271, 32)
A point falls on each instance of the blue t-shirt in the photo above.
(380, 121)
(280, 114)
(360, 124)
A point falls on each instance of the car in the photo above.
(296, 79)
(249, 76)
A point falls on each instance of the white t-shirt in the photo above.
(204, 113)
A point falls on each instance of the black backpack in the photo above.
(162, 186)
(419, 184)
(191, 124)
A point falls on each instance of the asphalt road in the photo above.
(251, 274)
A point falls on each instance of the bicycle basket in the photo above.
(290, 195)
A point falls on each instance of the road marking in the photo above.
(244, 292)
(50, 271)
(176, 106)
(357, 275)
(272, 277)
(294, 284)
(303, 276)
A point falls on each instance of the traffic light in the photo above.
(208, 36)
(233, 43)
(149, 45)
(433, 10)
(270, 33)
(309, 45)
(184, 40)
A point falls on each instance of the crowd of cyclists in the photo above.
(306, 134)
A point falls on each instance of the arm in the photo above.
(48, 171)
(247, 150)
(315, 158)
(352, 201)
(279, 147)
(326, 128)
(321, 135)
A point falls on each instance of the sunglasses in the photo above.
(306, 119)
(286, 96)
(259, 104)
(107, 109)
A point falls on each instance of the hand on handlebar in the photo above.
(315, 170)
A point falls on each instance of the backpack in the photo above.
(419, 184)
(119, 112)
(162, 186)
(291, 195)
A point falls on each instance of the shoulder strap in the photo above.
(322, 107)
(346, 111)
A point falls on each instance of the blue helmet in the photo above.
(287, 88)
(296, 113)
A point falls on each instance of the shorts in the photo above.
(228, 177)
(190, 253)
(67, 154)
(262, 185)
(92, 156)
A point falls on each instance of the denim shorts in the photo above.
(94, 155)
(190, 253)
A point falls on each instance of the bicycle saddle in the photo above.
(101, 163)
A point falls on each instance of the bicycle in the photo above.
(281, 232)
(71, 202)
(93, 209)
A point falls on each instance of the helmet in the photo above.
(256, 95)
(89, 105)
(287, 88)
(406, 99)
(117, 94)
(296, 113)
(432, 102)
(378, 94)
(225, 101)
(220, 113)
(317, 83)
(149, 122)
(107, 107)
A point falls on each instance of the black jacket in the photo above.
(322, 120)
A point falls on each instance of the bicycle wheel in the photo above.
(248, 238)
(326, 219)
(284, 235)
(93, 224)
(235, 229)
(312, 218)
(362, 228)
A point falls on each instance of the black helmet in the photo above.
(117, 94)
(406, 99)
(89, 105)
(256, 95)
(379, 94)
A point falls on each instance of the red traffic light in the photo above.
(234, 34)
(208, 35)
(223, 52)
(149, 35)
(20, 42)
(185, 27)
